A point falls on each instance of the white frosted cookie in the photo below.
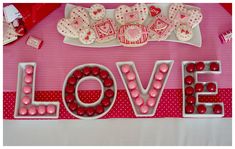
(66, 28)
(133, 35)
(184, 32)
(97, 12)
(80, 12)
(136, 14)
(87, 36)
(105, 30)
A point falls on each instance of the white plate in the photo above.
(195, 41)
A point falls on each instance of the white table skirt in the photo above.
(215, 131)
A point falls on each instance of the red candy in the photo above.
(80, 111)
(99, 109)
(90, 111)
(95, 71)
(78, 74)
(190, 67)
(214, 66)
(201, 109)
(69, 98)
(189, 109)
(72, 80)
(199, 87)
(73, 106)
(105, 102)
(200, 66)
(109, 93)
(189, 90)
(189, 80)
(69, 89)
(190, 99)
(86, 71)
(211, 87)
(217, 109)
(103, 74)
(108, 82)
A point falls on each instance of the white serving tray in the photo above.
(195, 41)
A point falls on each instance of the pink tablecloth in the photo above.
(55, 59)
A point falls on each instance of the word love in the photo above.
(144, 101)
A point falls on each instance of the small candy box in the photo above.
(192, 89)
(144, 101)
(34, 42)
(25, 106)
(226, 36)
(83, 109)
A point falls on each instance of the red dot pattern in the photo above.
(170, 104)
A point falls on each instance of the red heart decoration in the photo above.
(182, 16)
(154, 11)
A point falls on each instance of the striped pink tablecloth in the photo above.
(55, 59)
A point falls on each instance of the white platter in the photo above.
(195, 41)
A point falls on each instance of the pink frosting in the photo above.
(26, 100)
(153, 93)
(27, 89)
(157, 84)
(29, 69)
(28, 79)
(144, 109)
(42, 109)
(23, 111)
(159, 76)
(164, 68)
(132, 85)
(139, 101)
(125, 68)
(130, 76)
(32, 110)
(51, 109)
(135, 93)
(151, 102)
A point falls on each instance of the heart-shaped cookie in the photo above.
(180, 14)
(135, 14)
(78, 20)
(154, 11)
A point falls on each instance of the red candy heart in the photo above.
(90, 111)
(99, 109)
(201, 109)
(86, 71)
(189, 80)
(78, 74)
(189, 90)
(105, 102)
(72, 80)
(190, 99)
(69, 89)
(214, 66)
(108, 82)
(95, 71)
(200, 66)
(190, 67)
(154, 11)
(103, 74)
(189, 109)
(199, 87)
(69, 98)
(217, 109)
(211, 87)
(109, 93)
(80, 111)
(72, 106)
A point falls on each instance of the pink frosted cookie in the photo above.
(97, 12)
(182, 15)
(184, 32)
(133, 35)
(78, 20)
(87, 36)
(160, 28)
(105, 30)
(135, 14)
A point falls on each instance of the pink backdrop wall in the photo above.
(55, 59)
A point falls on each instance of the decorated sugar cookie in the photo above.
(87, 36)
(105, 30)
(184, 32)
(97, 12)
(78, 20)
(133, 35)
(160, 28)
(135, 14)
(182, 15)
